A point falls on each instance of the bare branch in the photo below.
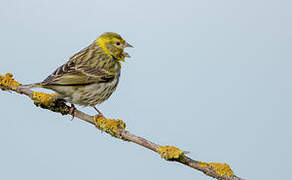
(117, 128)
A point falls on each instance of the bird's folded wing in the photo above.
(69, 74)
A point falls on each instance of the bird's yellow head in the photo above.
(113, 44)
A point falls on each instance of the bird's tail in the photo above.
(30, 86)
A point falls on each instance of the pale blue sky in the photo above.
(211, 77)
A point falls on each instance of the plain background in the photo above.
(211, 77)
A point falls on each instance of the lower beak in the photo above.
(126, 55)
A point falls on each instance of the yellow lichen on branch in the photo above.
(111, 126)
(50, 101)
(8, 83)
(171, 153)
(44, 99)
(221, 169)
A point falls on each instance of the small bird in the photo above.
(90, 76)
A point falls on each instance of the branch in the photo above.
(117, 128)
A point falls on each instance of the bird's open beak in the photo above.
(126, 54)
(128, 45)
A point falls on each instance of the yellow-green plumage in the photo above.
(90, 76)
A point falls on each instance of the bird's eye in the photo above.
(118, 43)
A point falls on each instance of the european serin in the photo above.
(92, 75)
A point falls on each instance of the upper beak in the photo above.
(128, 45)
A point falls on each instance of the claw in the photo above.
(72, 111)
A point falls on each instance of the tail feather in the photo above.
(30, 86)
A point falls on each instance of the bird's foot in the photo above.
(72, 111)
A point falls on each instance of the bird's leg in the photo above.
(72, 111)
(99, 113)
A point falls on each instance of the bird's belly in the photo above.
(88, 95)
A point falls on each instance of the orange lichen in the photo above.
(7, 82)
(220, 168)
(43, 99)
(170, 153)
(111, 126)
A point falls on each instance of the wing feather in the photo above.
(79, 72)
